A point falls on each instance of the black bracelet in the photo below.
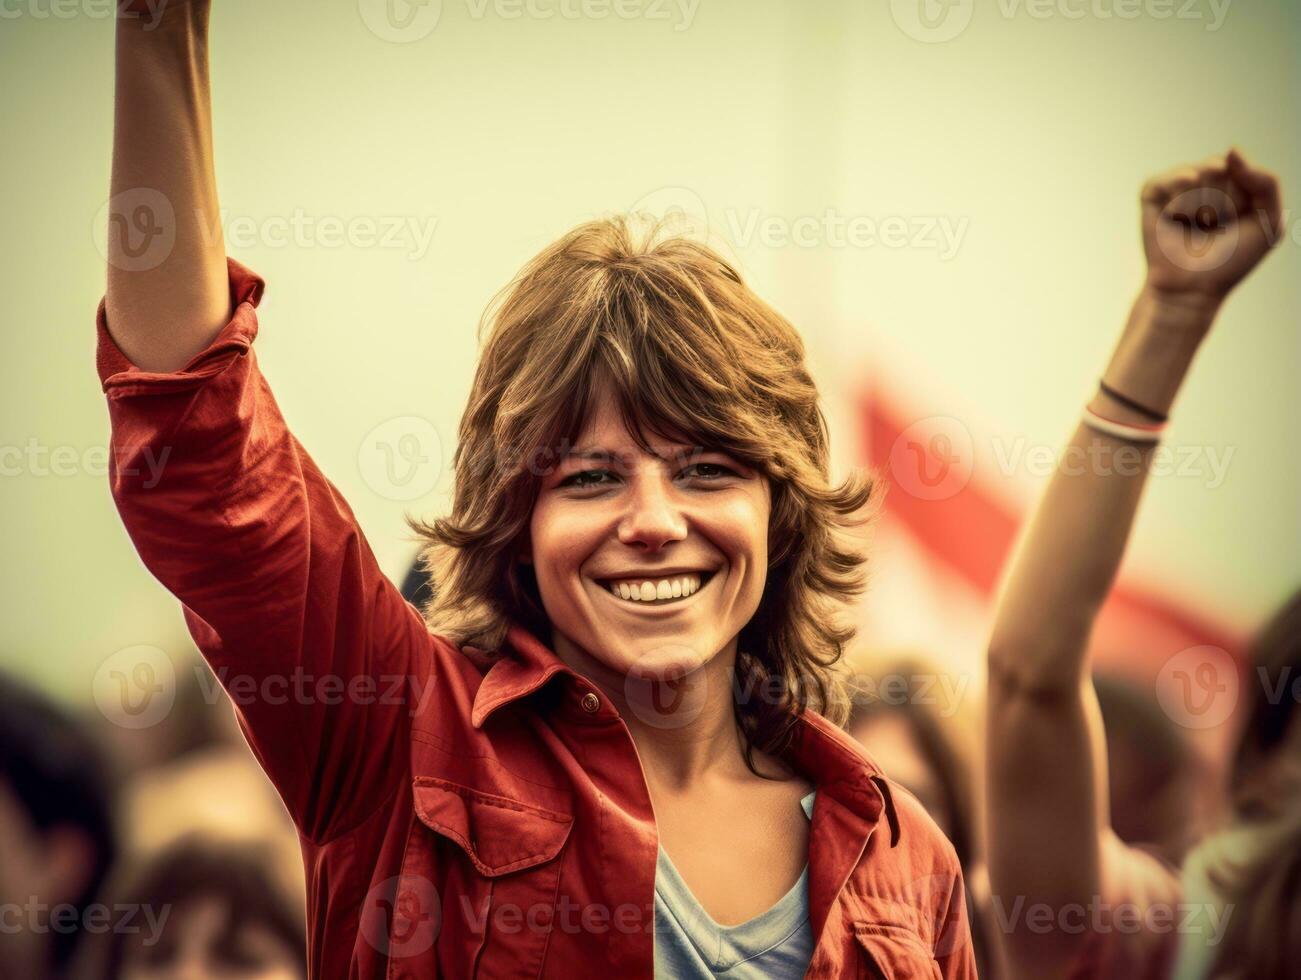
(1128, 402)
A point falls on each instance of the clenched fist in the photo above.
(1206, 226)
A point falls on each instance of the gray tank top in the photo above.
(689, 945)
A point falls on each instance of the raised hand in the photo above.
(1206, 226)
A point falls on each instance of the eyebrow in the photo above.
(605, 455)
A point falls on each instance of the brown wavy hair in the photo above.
(667, 326)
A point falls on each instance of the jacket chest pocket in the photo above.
(892, 952)
(498, 863)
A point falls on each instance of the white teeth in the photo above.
(647, 591)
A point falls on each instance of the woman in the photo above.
(1068, 887)
(603, 753)
(214, 912)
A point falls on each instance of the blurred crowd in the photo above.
(164, 852)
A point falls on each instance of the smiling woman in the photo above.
(619, 333)
(640, 422)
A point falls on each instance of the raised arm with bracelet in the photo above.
(1050, 844)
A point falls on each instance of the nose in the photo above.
(653, 516)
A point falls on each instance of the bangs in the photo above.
(665, 363)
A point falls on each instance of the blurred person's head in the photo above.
(200, 718)
(1271, 732)
(1151, 770)
(904, 734)
(210, 910)
(58, 841)
(1262, 937)
(642, 479)
(899, 716)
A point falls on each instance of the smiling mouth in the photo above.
(649, 594)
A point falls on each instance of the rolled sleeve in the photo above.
(279, 588)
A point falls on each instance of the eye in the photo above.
(581, 479)
(719, 470)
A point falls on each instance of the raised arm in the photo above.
(324, 661)
(1204, 229)
(168, 294)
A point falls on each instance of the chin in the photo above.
(667, 661)
(651, 658)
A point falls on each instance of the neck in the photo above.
(685, 730)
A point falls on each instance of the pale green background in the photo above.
(1036, 131)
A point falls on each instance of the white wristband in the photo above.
(1122, 430)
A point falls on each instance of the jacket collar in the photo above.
(836, 763)
(523, 666)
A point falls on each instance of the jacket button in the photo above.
(591, 703)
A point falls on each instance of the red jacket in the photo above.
(461, 813)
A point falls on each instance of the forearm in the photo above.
(1047, 770)
(168, 292)
(1067, 559)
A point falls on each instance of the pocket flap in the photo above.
(896, 951)
(499, 835)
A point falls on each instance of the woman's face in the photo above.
(611, 519)
(198, 945)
